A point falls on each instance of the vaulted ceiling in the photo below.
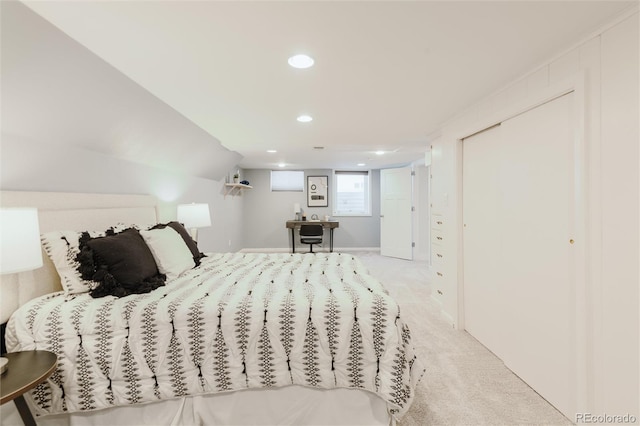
(386, 74)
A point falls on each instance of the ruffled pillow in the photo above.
(122, 264)
(63, 247)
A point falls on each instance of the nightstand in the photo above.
(25, 371)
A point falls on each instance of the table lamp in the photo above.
(19, 245)
(194, 216)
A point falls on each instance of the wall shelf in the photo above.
(235, 188)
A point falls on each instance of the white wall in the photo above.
(618, 283)
(30, 166)
(55, 90)
(73, 123)
(608, 61)
(265, 214)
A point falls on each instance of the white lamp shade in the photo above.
(194, 215)
(20, 238)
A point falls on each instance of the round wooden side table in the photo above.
(25, 371)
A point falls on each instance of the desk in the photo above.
(295, 224)
(26, 370)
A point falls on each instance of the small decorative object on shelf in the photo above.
(235, 178)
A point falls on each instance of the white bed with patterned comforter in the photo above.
(287, 339)
(238, 321)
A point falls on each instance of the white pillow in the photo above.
(62, 247)
(171, 254)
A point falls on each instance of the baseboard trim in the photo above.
(437, 301)
(440, 306)
(448, 317)
(288, 250)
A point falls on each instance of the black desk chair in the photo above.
(311, 234)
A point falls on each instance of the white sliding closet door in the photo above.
(519, 285)
(482, 243)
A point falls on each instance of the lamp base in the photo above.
(4, 364)
(194, 234)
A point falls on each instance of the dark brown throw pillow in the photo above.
(193, 246)
(121, 263)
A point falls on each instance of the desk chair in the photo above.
(311, 234)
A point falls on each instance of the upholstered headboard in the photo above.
(58, 211)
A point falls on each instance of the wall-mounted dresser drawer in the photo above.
(438, 282)
(437, 221)
(437, 237)
(437, 257)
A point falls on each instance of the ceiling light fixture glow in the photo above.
(271, 151)
(281, 165)
(304, 118)
(379, 152)
(301, 61)
(361, 164)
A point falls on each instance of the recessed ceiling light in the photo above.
(304, 118)
(281, 165)
(361, 164)
(301, 61)
(379, 152)
(271, 151)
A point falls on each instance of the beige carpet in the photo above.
(464, 383)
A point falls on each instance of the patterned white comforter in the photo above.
(237, 321)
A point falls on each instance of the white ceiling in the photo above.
(387, 74)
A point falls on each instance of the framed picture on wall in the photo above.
(317, 191)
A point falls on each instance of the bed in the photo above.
(241, 338)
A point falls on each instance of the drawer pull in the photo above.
(438, 254)
(439, 222)
(439, 292)
(439, 273)
(439, 238)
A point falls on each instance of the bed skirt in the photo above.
(289, 405)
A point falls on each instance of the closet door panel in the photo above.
(537, 206)
(482, 243)
(518, 205)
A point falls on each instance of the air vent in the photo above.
(318, 147)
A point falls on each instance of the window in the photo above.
(352, 193)
(287, 180)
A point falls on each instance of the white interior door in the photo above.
(519, 288)
(395, 213)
